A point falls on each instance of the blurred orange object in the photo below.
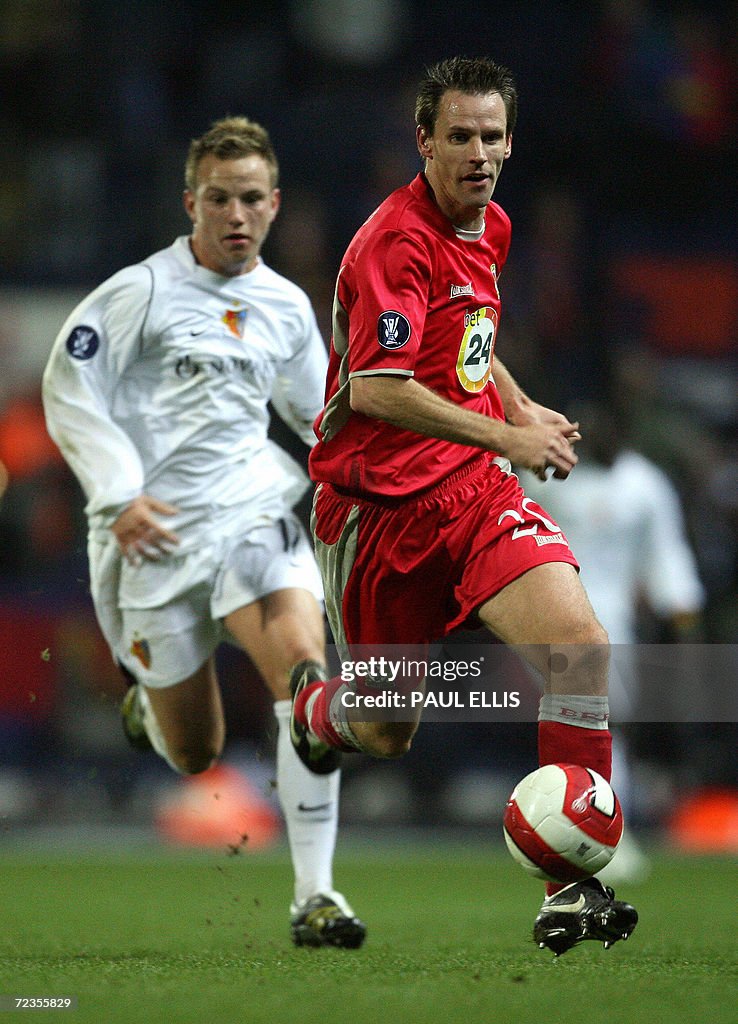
(219, 807)
(25, 446)
(707, 822)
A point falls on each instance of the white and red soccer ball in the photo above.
(563, 823)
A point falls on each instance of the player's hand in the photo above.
(533, 412)
(543, 446)
(140, 534)
(530, 413)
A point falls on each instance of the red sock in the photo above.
(571, 744)
(320, 723)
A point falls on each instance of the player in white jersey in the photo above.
(156, 392)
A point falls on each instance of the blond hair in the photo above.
(230, 139)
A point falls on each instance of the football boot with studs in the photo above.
(583, 910)
(326, 919)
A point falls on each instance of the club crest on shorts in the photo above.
(140, 649)
(83, 342)
(393, 330)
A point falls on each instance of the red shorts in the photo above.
(409, 572)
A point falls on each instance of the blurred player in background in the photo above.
(156, 392)
(623, 517)
(418, 522)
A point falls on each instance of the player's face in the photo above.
(231, 210)
(465, 153)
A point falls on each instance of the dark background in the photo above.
(622, 285)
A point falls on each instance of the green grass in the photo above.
(167, 938)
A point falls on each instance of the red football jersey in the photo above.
(416, 299)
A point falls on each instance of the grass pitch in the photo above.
(160, 937)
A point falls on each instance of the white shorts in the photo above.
(164, 619)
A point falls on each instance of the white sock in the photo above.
(311, 831)
(152, 728)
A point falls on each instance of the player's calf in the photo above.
(330, 715)
(386, 739)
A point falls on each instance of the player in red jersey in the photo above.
(419, 525)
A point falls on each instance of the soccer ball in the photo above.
(563, 823)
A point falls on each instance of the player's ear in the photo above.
(508, 146)
(423, 140)
(188, 201)
(276, 203)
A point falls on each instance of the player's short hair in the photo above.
(230, 139)
(475, 76)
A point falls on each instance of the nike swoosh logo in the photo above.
(568, 908)
(318, 807)
(202, 330)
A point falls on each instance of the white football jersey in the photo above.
(158, 383)
(625, 526)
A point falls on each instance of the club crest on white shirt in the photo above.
(235, 321)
